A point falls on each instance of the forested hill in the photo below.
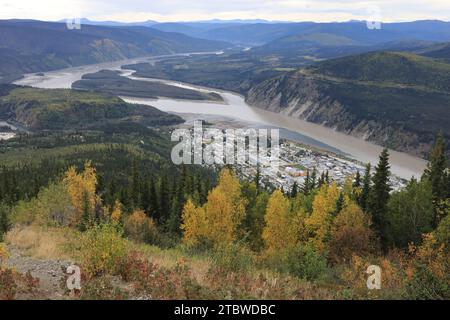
(29, 46)
(398, 100)
(57, 109)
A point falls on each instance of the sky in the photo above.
(194, 10)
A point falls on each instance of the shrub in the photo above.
(305, 263)
(52, 207)
(139, 227)
(101, 289)
(103, 250)
(350, 234)
(161, 283)
(233, 257)
(8, 285)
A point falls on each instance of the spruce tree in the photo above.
(135, 184)
(364, 197)
(379, 195)
(307, 184)
(4, 221)
(340, 203)
(258, 178)
(437, 173)
(357, 182)
(313, 179)
(86, 214)
(294, 190)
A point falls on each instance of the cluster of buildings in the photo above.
(295, 162)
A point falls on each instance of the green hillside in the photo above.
(47, 46)
(63, 109)
(389, 67)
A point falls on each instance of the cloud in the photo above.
(184, 10)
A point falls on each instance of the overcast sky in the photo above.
(184, 10)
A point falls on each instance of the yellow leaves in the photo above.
(81, 185)
(116, 213)
(219, 219)
(279, 232)
(432, 254)
(350, 234)
(102, 250)
(194, 223)
(319, 222)
(3, 253)
(139, 226)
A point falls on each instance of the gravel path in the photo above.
(49, 272)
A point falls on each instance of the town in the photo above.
(297, 161)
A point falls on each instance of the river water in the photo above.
(235, 107)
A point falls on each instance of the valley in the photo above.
(235, 107)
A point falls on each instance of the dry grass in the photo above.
(169, 258)
(44, 243)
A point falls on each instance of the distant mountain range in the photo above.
(31, 46)
(258, 32)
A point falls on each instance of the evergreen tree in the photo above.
(340, 203)
(86, 214)
(4, 221)
(307, 185)
(437, 173)
(153, 208)
(379, 195)
(313, 179)
(294, 190)
(258, 178)
(364, 197)
(135, 184)
(357, 182)
(164, 199)
(321, 181)
(327, 178)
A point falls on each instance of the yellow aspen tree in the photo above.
(351, 234)
(116, 213)
(193, 223)
(320, 221)
(80, 185)
(279, 232)
(225, 209)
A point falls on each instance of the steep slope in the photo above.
(31, 46)
(397, 100)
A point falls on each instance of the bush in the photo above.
(302, 262)
(305, 263)
(233, 257)
(103, 250)
(424, 285)
(139, 227)
(51, 207)
(101, 289)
